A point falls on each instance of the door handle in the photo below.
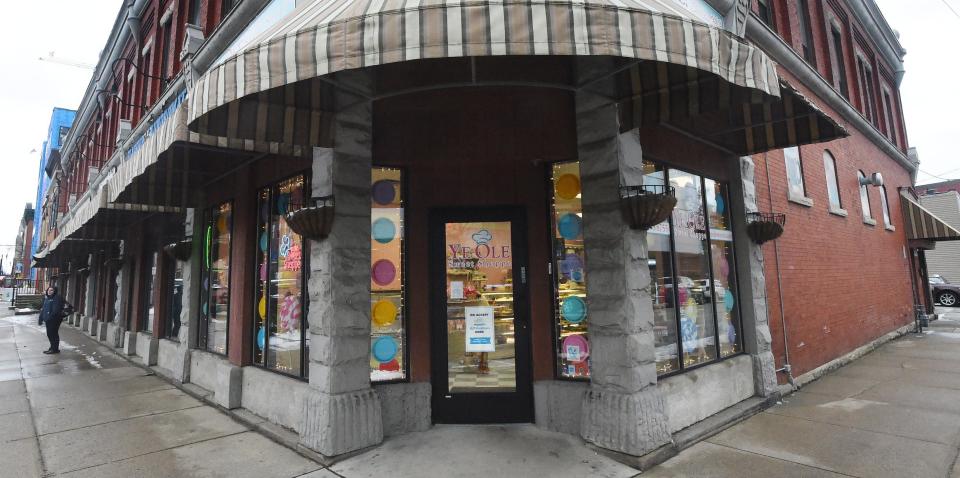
(523, 274)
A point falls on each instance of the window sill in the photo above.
(838, 212)
(869, 221)
(801, 200)
(890, 227)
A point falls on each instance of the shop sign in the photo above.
(479, 324)
(482, 255)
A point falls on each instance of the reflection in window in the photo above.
(794, 172)
(146, 325)
(833, 189)
(570, 281)
(693, 273)
(864, 196)
(387, 304)
(280, 342)
(174, 272)
(215, 279)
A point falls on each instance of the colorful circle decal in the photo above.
(384, 349)
(575, 348)
(570, 264)
(384, 313)
(383, 230)
(222, 224)
(689, 331)
(205, 309)
(262, 307)
(728, 301)
(567, 186)
(570, 226)
(283, 204)
(720, 205)
(263, 241)
(384, 192)
(383, 272)
(261, 338)
(574, 309)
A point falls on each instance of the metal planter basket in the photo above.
(765, 226)
(313, 222)
(646, 206)
(179, 250)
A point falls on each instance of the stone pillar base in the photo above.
(405, 407)
(147, 347)
(94, 329)
(129, 343)
(173, 360)
(341, 423)
(102, 331)
(114, 336)
(630, 423)
(228, 390)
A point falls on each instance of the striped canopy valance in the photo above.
(269, 91)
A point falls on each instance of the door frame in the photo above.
(493, 407)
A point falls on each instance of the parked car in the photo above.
(944, 292)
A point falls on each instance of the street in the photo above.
(88, 412)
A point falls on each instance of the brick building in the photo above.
(355, 220)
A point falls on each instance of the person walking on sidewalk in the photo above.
(52, 313)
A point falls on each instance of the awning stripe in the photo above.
(325, 36)
(922, 224)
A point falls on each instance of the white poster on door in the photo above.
(479, 322)
(456, 290)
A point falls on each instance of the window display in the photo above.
(280, 340)
(570, 281)
(215, 279)
(692, 273)
(387, 313)
(146, 325)
(174, 290)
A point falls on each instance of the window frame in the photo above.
(865, 82)
(807, 46)
(802, 199)
(885, 209)
(838, 68)
(171, 264)
(148, 289)
(304, 278)
(766, 12)
(835, 179)
(673, 267)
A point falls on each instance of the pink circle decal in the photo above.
(383, 272)
(576, 348)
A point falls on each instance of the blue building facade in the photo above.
(60, 122)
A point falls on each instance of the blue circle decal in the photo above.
(383, 230)
(574, 309)
(570, 226)
(728, 300)
(720, 204)
(384, 349)
(261, 338)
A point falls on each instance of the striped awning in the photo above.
(923, 224)
(270, 91)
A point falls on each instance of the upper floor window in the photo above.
(833, 188)
(864, 197)
(225, 7)
(194, 18)
(795, 187)
(837, 59)
(806, 32)
(865, 80)
(889, 118)
(886, 207)
(765, 12)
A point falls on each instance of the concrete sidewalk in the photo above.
(893, 413)
(87, 412)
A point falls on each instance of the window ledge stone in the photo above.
(801, 200)
(870, 221)
(838, 212)
(890, 227)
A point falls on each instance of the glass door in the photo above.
(481, 345)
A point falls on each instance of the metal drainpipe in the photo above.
(783, 318)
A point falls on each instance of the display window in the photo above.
(149, 314)
(569, 272)
(281, 342)
(692, 273)
(174, 290)
(215, 279)
(387, 302)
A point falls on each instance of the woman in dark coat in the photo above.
(52, 313)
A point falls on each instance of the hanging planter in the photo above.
(179, 250)
(765, 226)
(646, 206)
(313, 222)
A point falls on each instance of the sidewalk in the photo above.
(89, 413)
(893, 413)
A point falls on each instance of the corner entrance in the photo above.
(480, 324)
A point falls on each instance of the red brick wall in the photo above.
(843, 282)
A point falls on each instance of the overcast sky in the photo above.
(76, 30)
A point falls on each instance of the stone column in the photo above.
(342, 412)
(753, 287)
(90, 301)
(622, 410)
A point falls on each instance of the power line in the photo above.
(951, 8)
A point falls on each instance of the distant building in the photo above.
(943, 200)
(60, 122)
(937, 188)
(20, 269)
